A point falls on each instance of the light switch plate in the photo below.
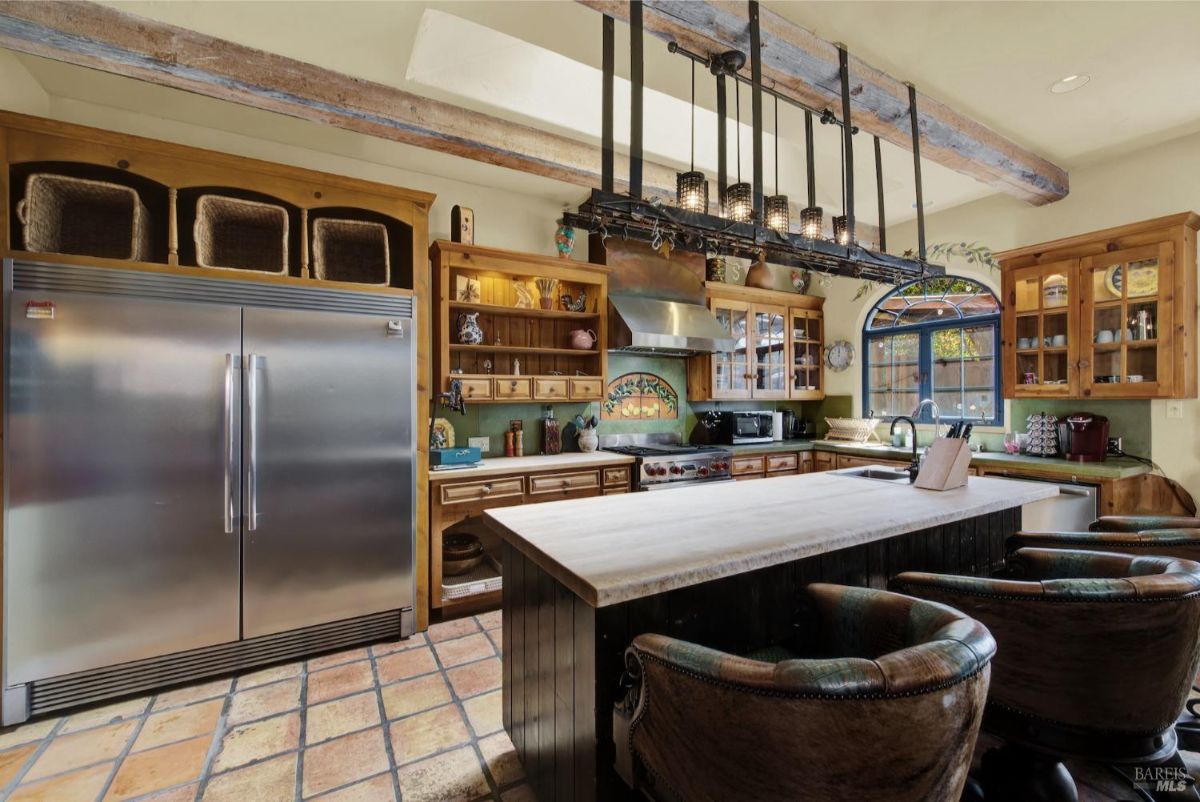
(1175, 409)
(484, 444)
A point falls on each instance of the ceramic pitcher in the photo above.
(469, 332)
(583, 339)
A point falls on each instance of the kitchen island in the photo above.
(719, 564)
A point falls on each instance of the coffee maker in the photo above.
(1083, 437)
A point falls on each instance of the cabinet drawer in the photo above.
(550, 389)
(513, 388)
(615, 491)
(740, 466)
(806, 461)
(616, 477)
(467, 492)
(822, 461)
(477, 388)
(587, 389)
(781, 463)
(563, 482)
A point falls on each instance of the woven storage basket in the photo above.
(238, 234)
(60, 214)
(854, 430)
(350, 250)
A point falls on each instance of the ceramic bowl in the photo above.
(1104, 336)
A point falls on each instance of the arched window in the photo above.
(934, 338)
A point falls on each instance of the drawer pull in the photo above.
(485, 489)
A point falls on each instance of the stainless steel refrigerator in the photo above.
(199, 476)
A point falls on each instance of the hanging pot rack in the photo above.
(607, 213)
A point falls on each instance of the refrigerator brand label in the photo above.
(395, 328)
(39, 310)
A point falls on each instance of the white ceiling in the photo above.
(537, 63)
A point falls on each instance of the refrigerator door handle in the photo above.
(229, 437)
(253, 363)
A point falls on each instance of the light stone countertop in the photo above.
(613, 549)
(498, 466)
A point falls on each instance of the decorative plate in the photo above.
(441, 434)
(839, 356)
(1143, 278)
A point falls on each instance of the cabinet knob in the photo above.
(485, 489)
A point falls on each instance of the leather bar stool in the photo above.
(1096, 653)
(887, 707)
(1124, 538)
(1142, 523)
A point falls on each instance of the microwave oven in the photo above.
(733, 428)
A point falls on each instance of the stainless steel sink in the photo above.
(878, 474)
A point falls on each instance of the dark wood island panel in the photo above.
(563, 658)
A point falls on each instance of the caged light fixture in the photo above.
(739, 198)
(776, 206)
(812, 218)
(691, 188)
(841, 232)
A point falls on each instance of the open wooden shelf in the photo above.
(516, 311)
(522, 349)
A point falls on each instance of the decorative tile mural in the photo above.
(640, 396)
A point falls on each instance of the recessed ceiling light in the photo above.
(1069, 84)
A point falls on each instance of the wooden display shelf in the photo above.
(516, 311)
(521, 349)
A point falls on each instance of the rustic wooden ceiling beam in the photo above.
(103, 38)
(803, 65)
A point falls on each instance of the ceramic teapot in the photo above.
(469, 332)
(583, 339)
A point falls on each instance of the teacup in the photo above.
(1024, 343)
(1104, 336)
(1060, 340)
(1134, 378)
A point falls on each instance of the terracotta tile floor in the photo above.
(417, 720)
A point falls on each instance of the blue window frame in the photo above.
(938, 338)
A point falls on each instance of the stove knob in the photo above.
(702, 471)
(717, 465)
(675, 469)
(661, 470)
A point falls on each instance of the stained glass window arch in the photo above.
(939, 338)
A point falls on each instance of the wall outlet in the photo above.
(1175, 409)
(484, 444)
(1115, 446)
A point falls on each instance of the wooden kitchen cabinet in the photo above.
(1110, 314)
(823, 461)
(459, 503)
(527, 352)
(778, 337)
(850, 461)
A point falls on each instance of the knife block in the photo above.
(946, 464)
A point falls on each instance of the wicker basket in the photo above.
(60, 214)
(853, 430)
(238, 234)
(350, 250)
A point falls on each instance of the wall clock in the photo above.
(839, 356)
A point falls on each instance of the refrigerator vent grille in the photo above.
(106, 281)
(139, 676)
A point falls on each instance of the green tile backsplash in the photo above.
(492, 420)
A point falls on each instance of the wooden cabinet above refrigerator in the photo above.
(1110, 314)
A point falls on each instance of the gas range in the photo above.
(664, 462)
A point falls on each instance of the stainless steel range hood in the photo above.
(667, 328)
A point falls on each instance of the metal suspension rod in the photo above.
(916, 140)
(635, 98)
(879, 194)
(722, 144)
(808, 154)
(848, 139)
(606, 105)
(756, 108)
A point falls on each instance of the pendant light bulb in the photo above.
(739, 198)
(776, 209)
(691, 188)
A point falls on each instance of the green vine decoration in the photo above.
(972, 252)
(640, 385)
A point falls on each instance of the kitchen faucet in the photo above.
(915, 465)
(937, 417)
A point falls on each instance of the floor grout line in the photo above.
(137, 731)
(393, 768)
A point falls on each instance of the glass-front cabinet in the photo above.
(807, 378)
(731, 369)
(1127, 323)
(1111, 314)
(776, 347)
(1041, 325)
